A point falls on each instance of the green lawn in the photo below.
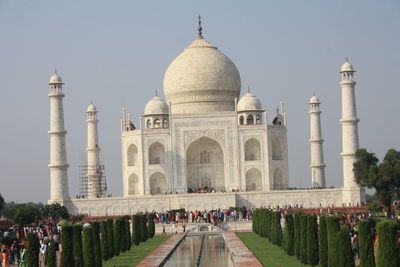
(266, 253)
(137, 253)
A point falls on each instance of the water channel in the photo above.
(213, 252)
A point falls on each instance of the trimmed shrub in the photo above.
(289, 230)
(366, 242)
(145, 228)
(89, 254)
(122, 222)
(104, 240)
(128, 234)
(142, 227)
(296, 220)
(346, 256)
(323, 242)
(312, 240)
(32, 253)
(77, 250)
(152, 227)
(135, 230)
(333, 227)
(388, 249)
(303, 238)
(97, 244)
(110, 238)
(117, 237)
(51, 256)
(277, 228)
(67, 256)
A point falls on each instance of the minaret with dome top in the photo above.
(58, 154)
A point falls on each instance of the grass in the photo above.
(137, 253)
(266, 253)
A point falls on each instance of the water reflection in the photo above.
(214, 252)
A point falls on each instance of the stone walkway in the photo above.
(160, 254)
(240, 254)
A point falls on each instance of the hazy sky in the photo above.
(116, 52)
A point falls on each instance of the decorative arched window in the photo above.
(148, 123)
(241, 120)
(250, 119)
(252, 150)
(165, 123)
(157, 123)
(133, 185)
(258, 119)
(132, 155)
(156, 154)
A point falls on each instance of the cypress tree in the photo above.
(346, 257)
(297, 234)
(67, 256)
(145, 228)
(141, 229)
(254, 222)
(77, 250)
(135, 230)
(268, 222)
(312, 240)
(289, 234)
(366, 243)
(117, 237)
(128, 234)
(303, 238)
(152, 228)
(89, 254)
(104, 240)
(323, 242)
(32, 253)
(388, 249)
(110, 238)
(97, 244)
(262, 231)
(277, 229)
(122, 222)
(333, 227)
(51, 256)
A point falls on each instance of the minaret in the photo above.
(317, 155)
(349, 123)
(94, 172)
(58, 154)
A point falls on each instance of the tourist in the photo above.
(163, 229)
(173, 228)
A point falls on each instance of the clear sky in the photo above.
(116, 52)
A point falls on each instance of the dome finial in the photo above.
(55, 70)
(248, 88)
(347, 59)
(156, 92)
(200, 28)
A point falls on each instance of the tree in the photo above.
(89, 254)
(277, 237)
(303, 238)
(67, 256)
(289, 234)
(32, 253)
(117, 237)
(366, 242)
(135, 230)
(152, 229)
(333, 227)
(25, 214)
(122, 222)
(55, 211)
(346, 257)
(312, 240)
(384, 176)
(110, 238)
(388, 249)
(51, 257)
(97, 245)
(323, 242)
(104, 240)
(297, 229)
(77, 249)
(128, 233)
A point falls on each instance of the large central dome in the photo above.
(201, 80)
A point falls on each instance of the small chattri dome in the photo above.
(55, 79)
(347, 67)
(156, 106)
(91, 108)
(249, 102)
(314, 100)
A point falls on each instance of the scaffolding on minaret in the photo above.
(83, 179)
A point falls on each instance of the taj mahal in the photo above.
(207, 145)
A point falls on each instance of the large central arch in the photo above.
(205, 165)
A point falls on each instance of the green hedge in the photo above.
(289, 234)
(128, 233)
(67, 256)
(89, 254)
(32, 253)
(110, 238)
(366, 243)
(323, 242)
(297, 229)
(312, 240)
(123, 243)
(51, 256)
(346, 256)
(104, 240)
(388, 249)
(333, 227)
(277, 229)
(97, 243)
(135, 230)
(77, 250)
(117, 237)
(303, 238)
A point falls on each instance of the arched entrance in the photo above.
(158, 184)
(205, 166)
(253, 180)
